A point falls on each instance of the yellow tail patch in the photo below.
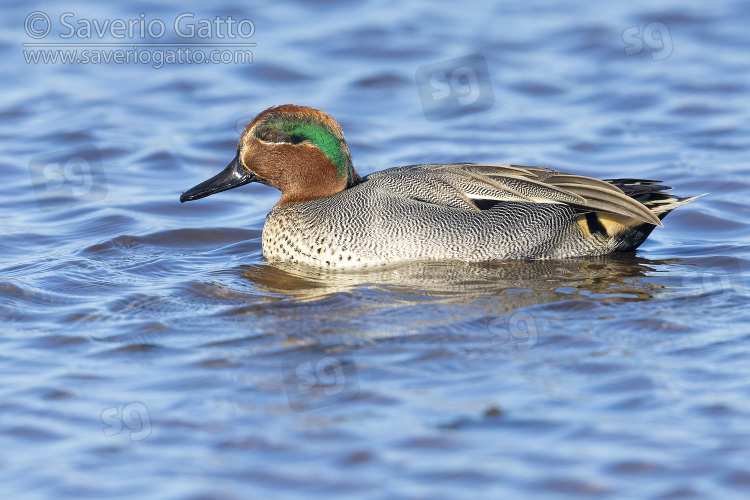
(605, 225)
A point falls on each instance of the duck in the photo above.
(330, 216)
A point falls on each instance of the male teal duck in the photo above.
(330, 216)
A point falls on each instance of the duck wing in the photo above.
(479, 186)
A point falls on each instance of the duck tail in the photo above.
(662, 206)
(652, 194)
(621, 233)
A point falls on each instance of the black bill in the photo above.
(231, 177)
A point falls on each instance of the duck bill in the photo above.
(231, 177)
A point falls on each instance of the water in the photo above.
(149, 351)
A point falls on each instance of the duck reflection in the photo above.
(608, 278)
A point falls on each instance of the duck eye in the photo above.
(270, 136)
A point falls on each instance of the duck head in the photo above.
(299, 150)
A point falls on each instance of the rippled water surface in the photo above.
(148, 350)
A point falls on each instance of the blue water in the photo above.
(148, 351)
